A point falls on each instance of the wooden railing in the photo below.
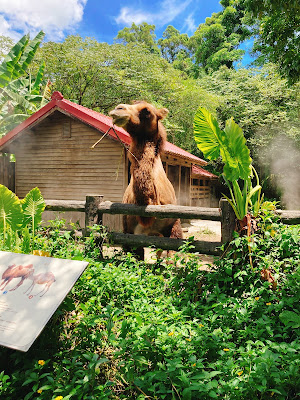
(94, 207)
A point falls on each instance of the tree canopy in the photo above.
(142, 34)
(277, 34)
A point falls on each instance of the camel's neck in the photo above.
(145, 156)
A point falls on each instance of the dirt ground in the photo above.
(200, 229)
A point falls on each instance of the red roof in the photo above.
(93, 118)
(202, 172)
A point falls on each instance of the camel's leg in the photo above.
(47, 287)
(30, 288)
(7, 282)
(176, 231)
(129, 224)
(19, 284)
(2, 283)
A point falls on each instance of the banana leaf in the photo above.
(8, 67)
(30, 50)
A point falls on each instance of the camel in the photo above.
(13, 271)
(46, 278)
(149, 183)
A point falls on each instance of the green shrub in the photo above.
(129, 330)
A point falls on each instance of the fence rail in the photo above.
(94, 207)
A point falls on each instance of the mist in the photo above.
(283, 159)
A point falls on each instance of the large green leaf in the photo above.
(235, 153)
(30, 50)
(290, 319)
(10, 68)
(33, 206)
(10, 209)
(208, 136)
(230, 144)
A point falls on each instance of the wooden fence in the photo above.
(94, 207)
(7, 172)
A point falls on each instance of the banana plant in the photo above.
(230, 144)
(20, 92)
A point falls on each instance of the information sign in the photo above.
(31, 289)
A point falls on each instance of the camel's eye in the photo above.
(145, 113)
(120, 108)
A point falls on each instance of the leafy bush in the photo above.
(129, 330)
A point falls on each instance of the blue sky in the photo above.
(101, 19)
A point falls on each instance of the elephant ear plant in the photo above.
(19, 216)
(230, 144)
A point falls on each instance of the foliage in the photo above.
(173, 43)
(130, 330)
(277, 34)
(261, 103)
(6, 44)
(142, 34)
(16, 214)
(20, 92)
(231, 145)
(100, 76)
(10, 211)
(216, 42)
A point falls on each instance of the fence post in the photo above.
(91, 211)
(227, 221)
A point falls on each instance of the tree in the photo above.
(265, 107)
(173, 43)
(277, 34)
(100, 76)
(6, 44)
(142, 34)
(215, 43)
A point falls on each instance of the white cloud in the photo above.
(167, 12)
(55, 17)
(189, 24)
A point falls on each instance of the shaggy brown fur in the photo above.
(149, 183)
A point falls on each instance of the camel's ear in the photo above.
(162, 113)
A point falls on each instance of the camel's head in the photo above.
(140, 118)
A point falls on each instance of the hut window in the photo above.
(201, 182)
(195, 182)
(66, 129)
(206, 183)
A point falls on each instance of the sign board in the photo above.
(31, 289)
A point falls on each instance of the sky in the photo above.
(100, 19)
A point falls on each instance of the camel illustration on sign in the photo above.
(27, 272)
(13, 271)
(46, 279)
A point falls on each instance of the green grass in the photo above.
(129, 330)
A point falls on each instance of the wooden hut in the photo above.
(53, 151)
